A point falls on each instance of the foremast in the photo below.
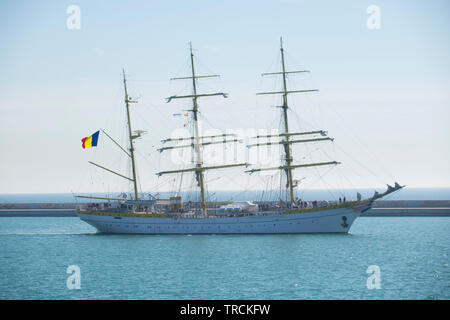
(196, 138)
(286, 135)
(287, 146)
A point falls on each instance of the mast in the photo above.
(286, 135)
(131, 137)
(200, 175)
(196, 139)
(287, 146)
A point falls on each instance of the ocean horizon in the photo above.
(442, 193)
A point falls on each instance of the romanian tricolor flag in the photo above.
(91, 141)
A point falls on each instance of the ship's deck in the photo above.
(213, 214)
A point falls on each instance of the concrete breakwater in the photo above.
(382, 208)
(37, 209)
(391, 208)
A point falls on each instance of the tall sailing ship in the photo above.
(172, 216)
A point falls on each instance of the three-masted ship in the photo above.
(172, 216)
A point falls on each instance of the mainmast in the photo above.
(286, 135)
(197, 139)
(200, 176)
(131, 136)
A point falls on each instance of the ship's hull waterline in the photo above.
(327, 221)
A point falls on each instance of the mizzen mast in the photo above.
(137, 134)
(132, 135)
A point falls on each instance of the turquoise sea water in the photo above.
(411, 252)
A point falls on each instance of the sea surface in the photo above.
(411, 254)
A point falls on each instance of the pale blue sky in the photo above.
(384, 94)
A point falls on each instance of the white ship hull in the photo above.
(326, 221)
